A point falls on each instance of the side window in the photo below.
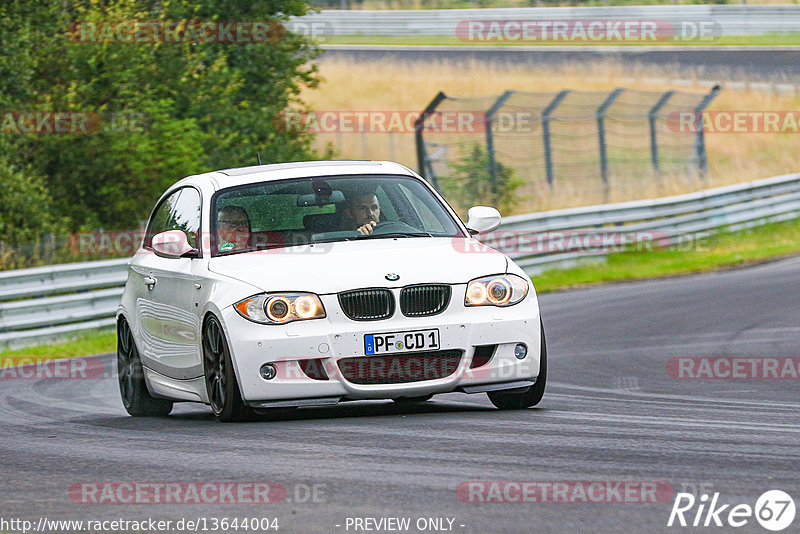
(160, 219)
(186, 214)
(179, 211)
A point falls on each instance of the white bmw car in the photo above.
(314, 283)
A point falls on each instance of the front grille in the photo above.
(367, 304)
(400, 368)
(424, 300)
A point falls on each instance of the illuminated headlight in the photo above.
(281, 308)
(498, 290)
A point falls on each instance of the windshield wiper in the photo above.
(396, 234)
(266, 246)
(331, 240)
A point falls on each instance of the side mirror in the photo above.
(482, 219)
(173, 244)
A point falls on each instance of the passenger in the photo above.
(233, 229)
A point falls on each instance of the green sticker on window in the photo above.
(226, 247)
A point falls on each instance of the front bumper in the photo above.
(335, 337)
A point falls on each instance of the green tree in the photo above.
(204, 105)
(26, 215)
(470, 183)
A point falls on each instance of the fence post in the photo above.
(490, 136)
(548, 157)
(652, 116)
(601, 134)
(700, 144)
(419, 126)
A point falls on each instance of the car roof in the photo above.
(302, 169)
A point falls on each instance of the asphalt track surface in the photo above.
(721, 63)
(611, 413)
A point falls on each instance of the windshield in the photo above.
(324, 209)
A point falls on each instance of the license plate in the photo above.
(411, 341)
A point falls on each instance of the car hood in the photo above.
(333, 267)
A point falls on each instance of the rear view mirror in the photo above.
(173, 244)
(482, 219)
(314, 199)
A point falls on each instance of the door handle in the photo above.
(150, 282)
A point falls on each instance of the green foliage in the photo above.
(198, 106)
(25, 215)
(470, 183)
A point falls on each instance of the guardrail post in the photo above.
(652, 116)
(490, 136)
(601, 134)
(548, 156)
(419, 126)
(700, 143)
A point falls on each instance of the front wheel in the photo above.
(221, 385)
(132, 388)
(529, 397)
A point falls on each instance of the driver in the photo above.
(361, 213)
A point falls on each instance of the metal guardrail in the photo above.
(668, 220)
(44, 303)
(729, 20)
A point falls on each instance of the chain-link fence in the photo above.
(572, 144)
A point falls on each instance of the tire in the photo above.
(412, 400)
(221, 385)
(531, 396)
(132, 388)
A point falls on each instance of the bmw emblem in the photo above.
(392, 277)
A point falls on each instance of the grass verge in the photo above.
(93, 342)
(721, 251)
(772, 39)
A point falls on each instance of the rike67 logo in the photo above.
(774, 510)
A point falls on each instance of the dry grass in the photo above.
(392, 85)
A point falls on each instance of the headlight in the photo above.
(281, 308)
(497, 290)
